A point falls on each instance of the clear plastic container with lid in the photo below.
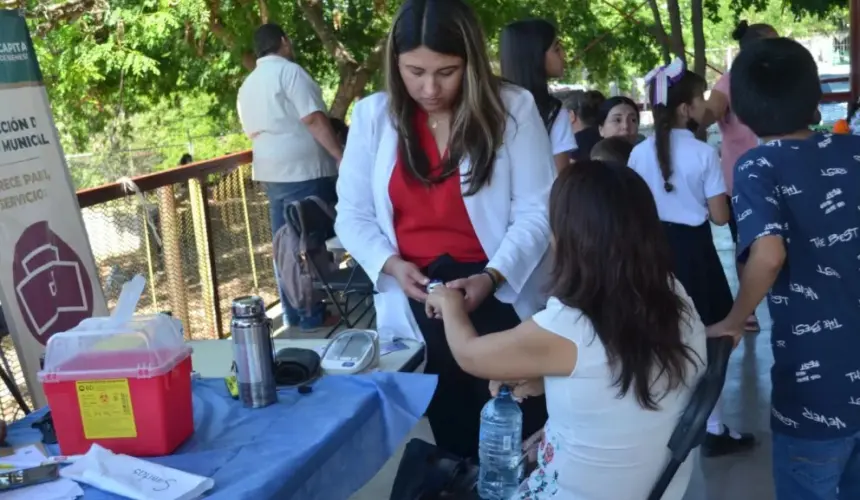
(143, 347)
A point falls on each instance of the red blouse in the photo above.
(430, 221)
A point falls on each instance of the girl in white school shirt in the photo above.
(686, 179)
(531, 54)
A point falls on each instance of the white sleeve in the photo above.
(715, 184)
(567, 323)
(303, 92)
(527, 238)
(356, 224)
(561, 135)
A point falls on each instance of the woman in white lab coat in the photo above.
(446, 176)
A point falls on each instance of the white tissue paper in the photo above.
(135, 478)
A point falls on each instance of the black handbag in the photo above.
(429, 473)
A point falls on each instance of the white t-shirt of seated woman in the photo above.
(599, 445)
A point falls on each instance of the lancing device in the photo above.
(62, 459)
(433, 284)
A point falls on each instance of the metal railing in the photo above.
(199, 233)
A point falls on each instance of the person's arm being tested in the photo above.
(306, 97)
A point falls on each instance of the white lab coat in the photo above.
(510, 214)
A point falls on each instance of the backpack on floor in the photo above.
(428, 473)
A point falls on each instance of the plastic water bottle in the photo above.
(500, 447)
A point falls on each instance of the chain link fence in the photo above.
(200, 239)
(9, 408)
(199, 244)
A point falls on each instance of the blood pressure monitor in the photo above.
(351, 351)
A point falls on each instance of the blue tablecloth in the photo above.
(324, 445)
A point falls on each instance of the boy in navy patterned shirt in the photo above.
(797, 197)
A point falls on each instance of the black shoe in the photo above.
(717, 445)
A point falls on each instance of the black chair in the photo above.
(349, 289)
(691, 428)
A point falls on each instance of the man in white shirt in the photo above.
(296, 152)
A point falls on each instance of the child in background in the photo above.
(613, 150)
(809, 266)
(583, 108)
(686, 180)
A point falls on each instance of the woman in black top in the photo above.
(583, 108)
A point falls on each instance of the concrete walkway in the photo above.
(746, 407)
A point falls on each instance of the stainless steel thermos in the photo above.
(253, 352)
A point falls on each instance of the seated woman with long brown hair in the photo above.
(618, 349)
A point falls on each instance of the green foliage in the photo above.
(789, 22)
(155, 140)
(798, 8)
(142, 74)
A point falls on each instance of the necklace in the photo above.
(434, 124)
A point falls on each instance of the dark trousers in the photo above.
(455, 410)
(697, 266)
(282, 194)
(733, 223)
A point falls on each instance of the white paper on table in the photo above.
(135, 478)
(23, 458)
(32, 456)
(61, 489)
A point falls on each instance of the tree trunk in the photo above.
(660, 32)
(354, 75)
(700, 56)
(350, 87)
(353, 80)
(677, 33)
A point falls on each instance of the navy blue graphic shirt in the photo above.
(808, 192)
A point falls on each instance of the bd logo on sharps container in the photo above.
(51, 283)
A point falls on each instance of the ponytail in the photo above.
(669, 87)
(663, 119)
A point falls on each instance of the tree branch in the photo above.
(216, 25)
(660, 32)
(313, 10)
(264, 11)
(677, 34)
(53, 15)
(700, 55)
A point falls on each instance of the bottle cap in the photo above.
(504, 390)
(248, 306)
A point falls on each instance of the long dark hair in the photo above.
(613, 262)
(682, 91)
(478, 126)
(746, 33)
(522, 50)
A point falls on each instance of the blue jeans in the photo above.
(804, 469)
(280, 195)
